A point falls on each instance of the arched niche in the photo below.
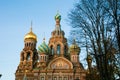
(60, 63)
(29, 56)
(52, 47)
(22, 56)
(59, 47)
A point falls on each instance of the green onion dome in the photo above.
(58, 17)
(44, 48)
(74, 48)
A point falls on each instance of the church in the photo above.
(53, 61)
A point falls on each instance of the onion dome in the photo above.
(74, 48)
(44, 48)
(30, 35)
(58, 16)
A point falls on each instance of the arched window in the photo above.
(60, 78)
(45, 58)
(31, 44)
(52, 50)
(27, 44)
(41, 58)
(58, 49)
(55, 78)
(42, 78)
(65, 78)
(28, 56)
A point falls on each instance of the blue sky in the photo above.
(15, 21)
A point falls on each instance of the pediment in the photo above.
(60, 63)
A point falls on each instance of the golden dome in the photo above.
(74, 48)
(30, 35)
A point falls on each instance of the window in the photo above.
(28, 56)
(65, 78)
(60, 78)
(52, 49)
(42, 78)
(29, 44)
(58, 49)
(55, 78)
(43, 58)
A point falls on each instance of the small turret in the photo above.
(74, 52)
(44, 51)
(74, 48)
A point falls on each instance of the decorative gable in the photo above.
(60, 63)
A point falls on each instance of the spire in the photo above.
(30, 34)
(57, 11)
(31, 27)
(44, 37)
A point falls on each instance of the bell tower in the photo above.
(29, 55)
(57, 42)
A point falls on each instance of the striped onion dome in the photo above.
(44, 48)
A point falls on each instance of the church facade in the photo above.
(52, 61)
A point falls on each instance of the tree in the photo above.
(91, 21)
(113, 9)
(0, 75)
